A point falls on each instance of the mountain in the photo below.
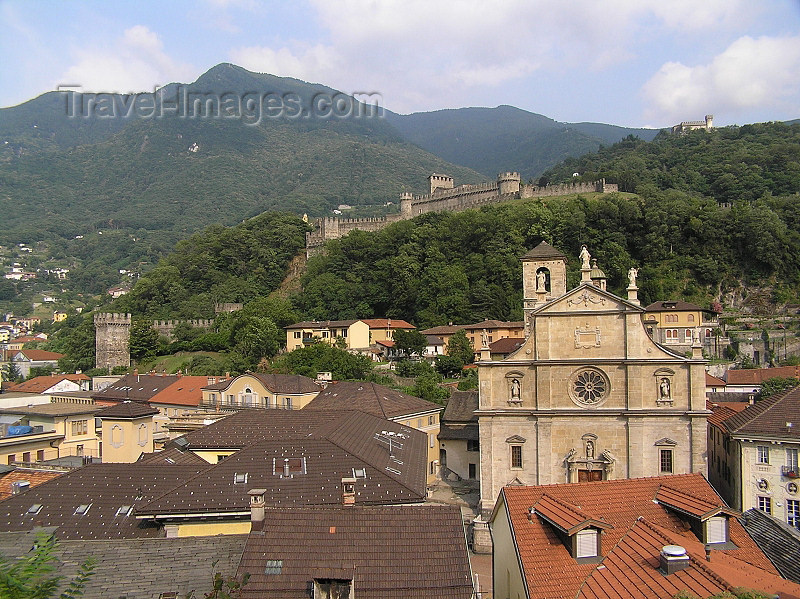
(494, 140)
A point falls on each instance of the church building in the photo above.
(589, 395)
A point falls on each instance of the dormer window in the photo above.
(579, 532)
(707, 520)
(716, 530)
(587, 543)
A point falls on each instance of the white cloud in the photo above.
(136, 62)
(750, 73)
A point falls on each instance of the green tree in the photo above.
(11, 372)
(410, 342)
(777, 384)
(143, 342)
(321, 357)
(33, 576)
(427, 386)
(460, 347)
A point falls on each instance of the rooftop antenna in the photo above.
(391, 439)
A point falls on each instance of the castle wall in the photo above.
(165, 327)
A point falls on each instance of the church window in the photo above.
(516, 456)
(666, 461)
(589, 386)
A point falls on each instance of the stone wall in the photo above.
(456, 199)
(165, 327)
(112, 336)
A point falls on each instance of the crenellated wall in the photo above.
(451, 199)
(165, 327)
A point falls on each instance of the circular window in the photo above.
(589, 387)
(762, 484)
(792, 488)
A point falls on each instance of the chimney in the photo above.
(673, 558)
(19, 486)
(212, 380)
(348, 491)
(256, 508)
(286, 467)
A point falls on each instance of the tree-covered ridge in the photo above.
(219, 264)
(728, 164)
(464, 267)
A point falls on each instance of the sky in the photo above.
(635, 63)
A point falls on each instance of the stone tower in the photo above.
(438, 181)
(508, 183)
(406, 199)
(544, 276)
(112, 336)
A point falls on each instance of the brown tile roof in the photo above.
(776, 416)
(543, 250)
(551, 572)
(444, 329)
(370, 398)
(721, 412)
(674, 306)
(186, 391)
(712, 381)
(321, 324)
(756, 376)
(172, 456)
(689, 504)
(387, 323)
(39, 355)
(389, 553)
(127, 409)
(138, 387)
(461, 407)
(505, 345)
(141, 568)
(34, 477)
(40, 384)
(496, 324)
(107, 487)
(333, 448)
(53, 409)
(276, 383)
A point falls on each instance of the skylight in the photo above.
(35, 508)
(359, 473)
(82, 509)
(273, 566)
(124, 510)
(240, 478)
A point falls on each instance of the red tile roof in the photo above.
(756, 376)
(721, 412)
(712, 381)
(39, 355)
(186, 391)
(34, 477)
(565, 516)
(551, 572)
(40, 384)
(387, 323)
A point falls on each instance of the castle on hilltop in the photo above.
(444, 196)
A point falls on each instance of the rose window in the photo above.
(589, 387)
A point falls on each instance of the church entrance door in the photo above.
(585, 476)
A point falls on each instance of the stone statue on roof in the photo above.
(632, 272)
(585, 256)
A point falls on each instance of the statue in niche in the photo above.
(664, 388)
(585, 256)
(589, 449)
(632, 272)
(541, 281)
(515, 389)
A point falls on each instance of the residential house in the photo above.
(35, 358)
(714, 384)
(502, 348)
(387, 403)
(443, 333)
(674, 322)
(59, 316)
(434, 347)
(355, 334)
(134, 387)
(588, 396)
(127, 431)
(53, 383)
(48, 431)
(459, 445)
(257, 390)
(639, 538)
(753, 461)
(494, 329)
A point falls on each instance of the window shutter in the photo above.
(716, 529)
(587, 543)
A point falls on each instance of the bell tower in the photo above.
(544, 277)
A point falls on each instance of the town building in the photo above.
(357, 335)
(256, 390)
(53, 383)
(25, 359)
(588, 396)
(127, 431)
(494, 330)
(387, 403)
(674, 323)
(654, 537)
(459, 445)
(748, 380)
(753, 455)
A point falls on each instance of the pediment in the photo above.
(515, 482)
(666, 441)
(587, 297)
(516, 439)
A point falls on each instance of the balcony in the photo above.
(790, 471)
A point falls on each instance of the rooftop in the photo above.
(776, 416)
(40, 384)
(756, 376)
(139, 387)
(370, 398)
(53, 409)
(674, 306)
(543, 251)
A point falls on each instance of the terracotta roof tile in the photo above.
(386, 323)
(566, 516)
(39, 355)
(40, 384)
(186, 391)
(321, 324)
(756, 376)
(551, 572)
(34, 477)
(505, 345)
(389, 553)
(674, 306)
(370, 398)
(689, 504)
(713, 381)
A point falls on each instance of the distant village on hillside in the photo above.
(606, 450)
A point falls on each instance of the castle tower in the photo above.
(112, 336)
(405, 204)
(508, 183)
(544, 276)
(709, 122)
(438, 181)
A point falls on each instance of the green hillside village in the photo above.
(473, 353)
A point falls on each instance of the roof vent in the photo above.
(673, 558)
(19, 486)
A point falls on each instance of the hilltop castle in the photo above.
(444, 196)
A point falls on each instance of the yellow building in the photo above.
(127, 431)
(356, 334)
(495, 330)
(675, 323)
(256, 390)
(59, 316)
(49, 431)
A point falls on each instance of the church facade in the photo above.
(589, 395)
